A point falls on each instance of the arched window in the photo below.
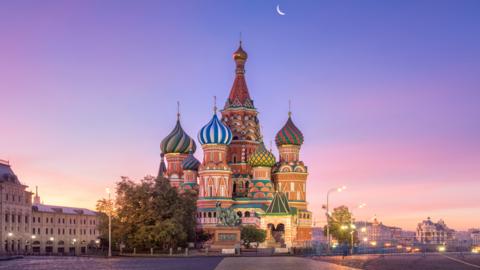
(239, 213)
(234, 158)
(209, 214)
(247, 214)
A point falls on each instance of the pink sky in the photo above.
(389, 107)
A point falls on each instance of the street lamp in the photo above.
(109, 224)
(339, 189)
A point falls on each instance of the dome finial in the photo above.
(214, 104)
(240, 39)
(178, 110)
(289, 108)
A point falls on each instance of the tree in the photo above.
(251, 234)
(341, 225)
(149, 214)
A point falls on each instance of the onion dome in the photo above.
(190, 162)
(289, 134)
(177, 141)
(215, 132)
(240, 54)
(262, 157)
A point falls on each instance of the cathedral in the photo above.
(238, 173)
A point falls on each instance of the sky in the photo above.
(386, 94)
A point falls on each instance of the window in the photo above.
(6, 217)
(19, 219)
(26, 219)
(33, 231)
(46, 230)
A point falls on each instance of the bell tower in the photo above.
(240, 115)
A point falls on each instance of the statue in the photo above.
(226, 217)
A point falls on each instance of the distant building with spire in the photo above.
(238, 173)
(27, 227)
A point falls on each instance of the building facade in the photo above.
(375, 233)
(475, 236)
(429, 232)
(239, 173)
(28, 227)
(15, 212)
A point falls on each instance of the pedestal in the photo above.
(226, 237)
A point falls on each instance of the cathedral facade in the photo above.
(239, 173)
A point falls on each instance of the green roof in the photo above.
(279, 204)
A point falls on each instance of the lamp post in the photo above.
(9, 236)
(364, 228)
(340, 189)
(109, 224)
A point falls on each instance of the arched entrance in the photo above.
(276, 235)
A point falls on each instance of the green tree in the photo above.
(149, 214)
(251, 234)
(342, 225)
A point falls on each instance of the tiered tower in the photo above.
(290, 174)
(240, 115)
(176, 147)
(215, 181)
(261, 188)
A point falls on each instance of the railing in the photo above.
(207, 220)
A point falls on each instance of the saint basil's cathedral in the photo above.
(239, 173)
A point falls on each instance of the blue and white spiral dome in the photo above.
(215, 132)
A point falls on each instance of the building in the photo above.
(375, 233)
(475, 236)
(15, 211)
(429, 232)
(40, 228)
(238, 173)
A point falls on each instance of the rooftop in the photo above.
(62, 210)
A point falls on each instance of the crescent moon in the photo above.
(279, 11)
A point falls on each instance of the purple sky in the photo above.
(386, 94)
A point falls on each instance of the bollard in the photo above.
(186, 251)
(151, 251)
(134, 251)
(171, 251)
(121, 250)
(206, 251)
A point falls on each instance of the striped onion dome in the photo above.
(215, 132)
(190, 162)
(289, 134)
(177, 141)
(262, 157)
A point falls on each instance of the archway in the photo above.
(278, 234)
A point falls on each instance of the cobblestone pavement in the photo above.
(410, 262)
(83, 263)
(205, 263)
(277, 263)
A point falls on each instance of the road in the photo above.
(201, 263)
